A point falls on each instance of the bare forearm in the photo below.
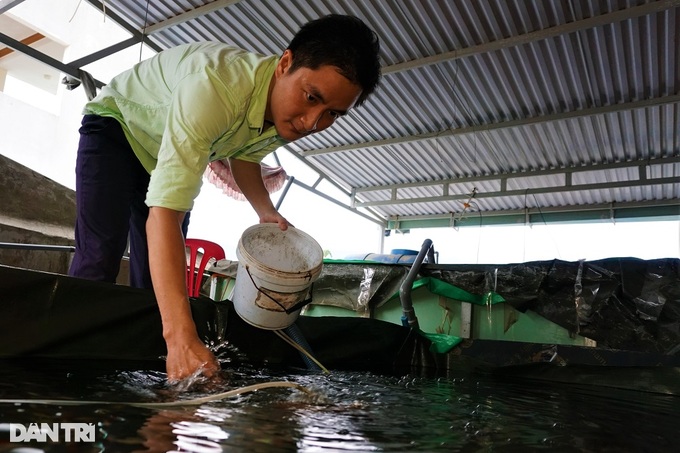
(248, 176)
(167, 261)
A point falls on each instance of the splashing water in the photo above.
(344, 411)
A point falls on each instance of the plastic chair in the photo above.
(194, 276)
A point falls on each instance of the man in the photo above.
(147, 138)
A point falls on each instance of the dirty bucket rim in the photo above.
(253, 261)
(261, 271)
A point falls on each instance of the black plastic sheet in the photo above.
(630, 306)
(361, 287)
(622, 303)
(53, 316)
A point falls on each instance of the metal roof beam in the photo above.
(641, 165)
(322, 176)
(84, 61)
(35, 37)
(549, 209)
(523, 192)
(6, 5)
(188, 15)
(375, 219)
(72, 69)
(138, 35)
(660, 209)
(613, 108)
(43, 58)
(124, 24)
(591, 22)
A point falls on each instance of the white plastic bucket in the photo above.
(275, 272)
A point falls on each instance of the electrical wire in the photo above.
(75, 11)
(190, 402)
(479, 237)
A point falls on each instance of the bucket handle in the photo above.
(288, 311)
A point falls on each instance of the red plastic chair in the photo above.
(195, 276)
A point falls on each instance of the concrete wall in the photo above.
(34, 210)
(38, 211)
(39, 131)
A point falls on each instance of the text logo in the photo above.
(56, 432)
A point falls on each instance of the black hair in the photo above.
(341, 41)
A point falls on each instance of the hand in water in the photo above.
(190, 358)
(199, 381)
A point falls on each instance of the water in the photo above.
(346, 411)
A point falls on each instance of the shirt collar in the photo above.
(258, 104)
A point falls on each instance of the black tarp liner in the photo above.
(46, 315)
(624, 303)
(633, 313)
(361, 287)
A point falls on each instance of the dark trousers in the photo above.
(111, 187)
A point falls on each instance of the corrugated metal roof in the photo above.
(557, 106)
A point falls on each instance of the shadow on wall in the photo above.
(37, 214)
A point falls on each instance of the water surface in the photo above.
(469, 411)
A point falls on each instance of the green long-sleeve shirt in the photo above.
(187, 106)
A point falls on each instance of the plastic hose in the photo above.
(192, 402)
(294, 332)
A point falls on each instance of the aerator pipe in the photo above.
(408, 317)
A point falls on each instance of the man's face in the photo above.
(307, 100)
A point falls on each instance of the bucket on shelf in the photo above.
(275, 273)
